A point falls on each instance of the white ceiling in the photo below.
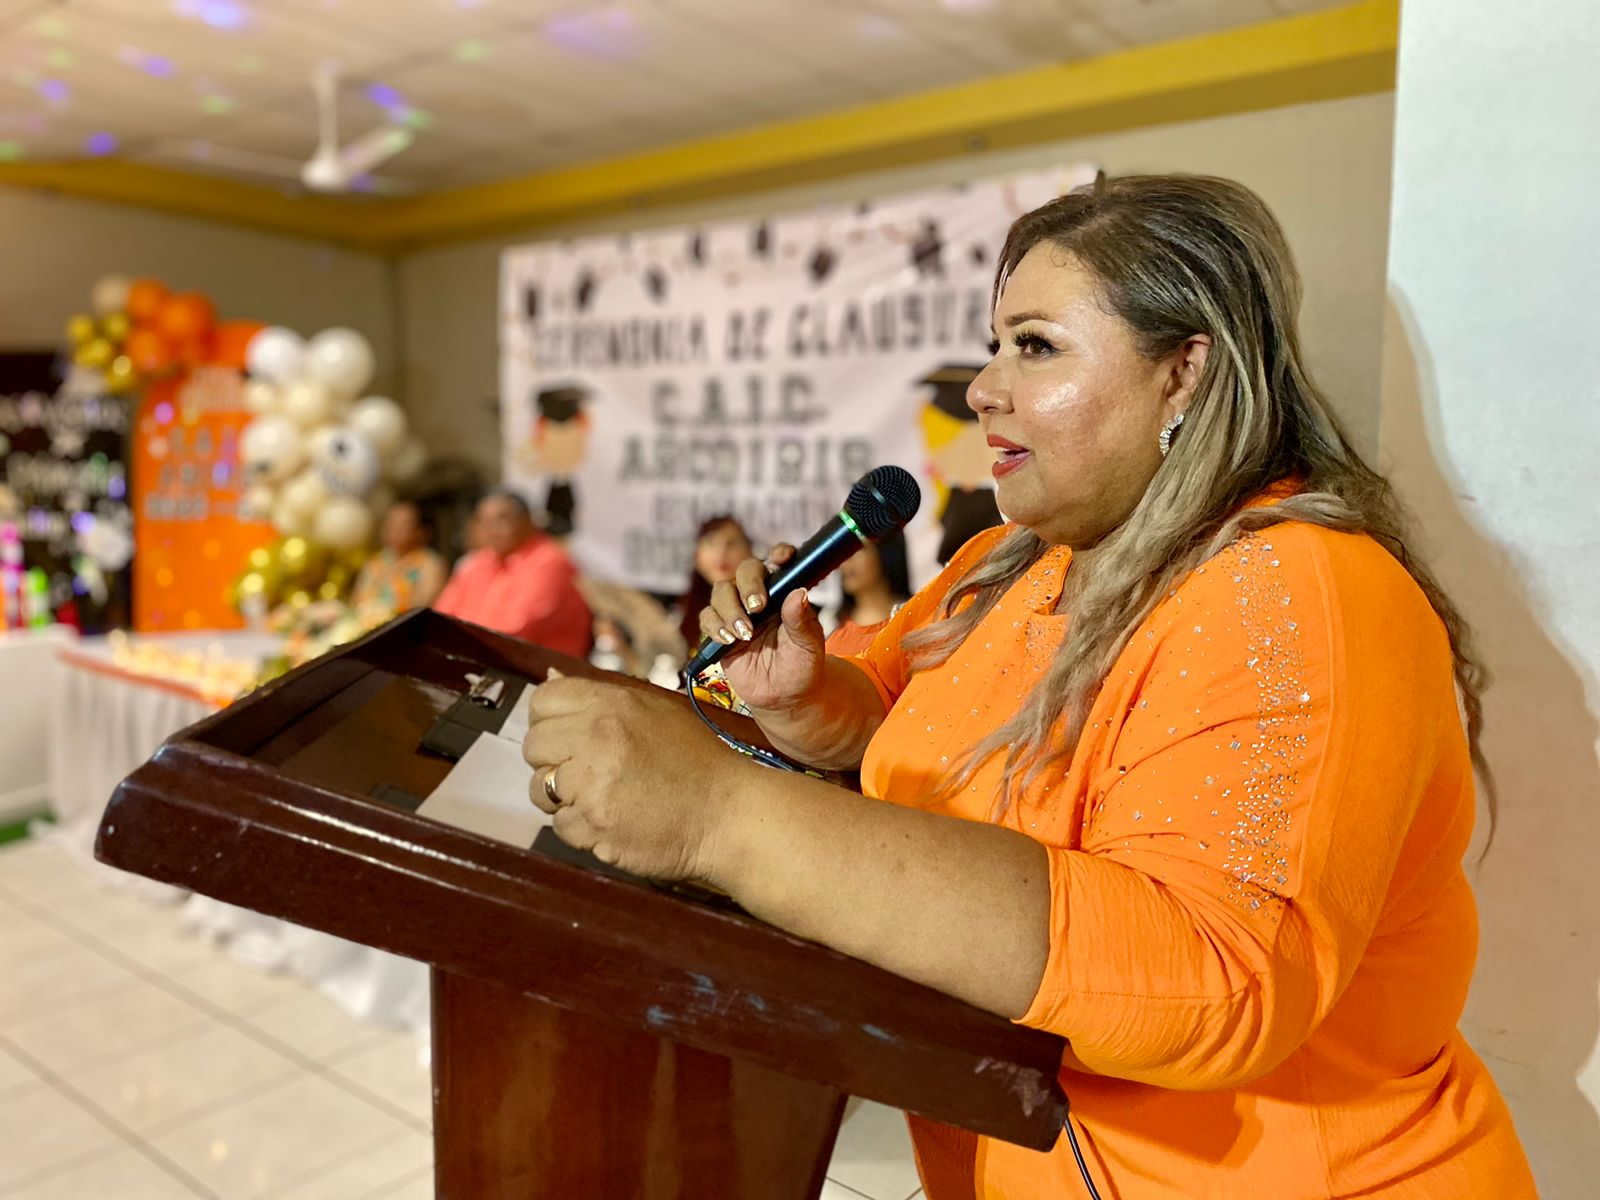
(496, 88)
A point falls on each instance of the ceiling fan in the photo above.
(331, 168)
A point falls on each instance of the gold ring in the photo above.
(550, 788)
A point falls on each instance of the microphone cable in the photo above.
(767, 758)
(1077, 1153)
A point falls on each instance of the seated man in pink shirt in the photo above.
(519, 581)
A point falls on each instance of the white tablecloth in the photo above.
(28, 668)
(102, 727)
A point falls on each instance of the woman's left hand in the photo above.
(638, 780)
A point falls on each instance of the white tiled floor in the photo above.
(137, 1063)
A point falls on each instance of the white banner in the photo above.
(651, 380)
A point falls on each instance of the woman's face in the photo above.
(402, 531)
(861, 571)
(1070, 407)
(720, 551)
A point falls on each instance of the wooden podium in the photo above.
(594, 1037)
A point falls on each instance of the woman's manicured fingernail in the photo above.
(724, 637)
(754, 601)
(742, 628)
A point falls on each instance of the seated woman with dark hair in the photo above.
(405, 573)
(720, 545)
(876, 580)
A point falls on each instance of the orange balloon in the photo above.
(150, 352)
(194, 351)
(145, 299)
(187, 317)
(232, 342)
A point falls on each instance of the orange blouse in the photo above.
(1261, 932)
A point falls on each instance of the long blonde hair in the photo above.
(1176, 256)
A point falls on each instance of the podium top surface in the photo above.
(284, 803)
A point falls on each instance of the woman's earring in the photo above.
(1167, 430)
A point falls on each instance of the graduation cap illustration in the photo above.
(821, 264)
(560, 404)
(927, 251)
(949, 383)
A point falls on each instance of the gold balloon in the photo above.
(81, 329)
(329, 590)
(97, 352)
(116, 326)
(294, 556)
(120, 375)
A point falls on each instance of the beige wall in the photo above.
(1324, 168)
(53, 248)
(1491, 428)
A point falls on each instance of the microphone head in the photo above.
(883, 500)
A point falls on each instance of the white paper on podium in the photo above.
(487, 793)
(516, 723)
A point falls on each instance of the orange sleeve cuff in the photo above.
(1049, 1009)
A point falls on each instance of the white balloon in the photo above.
(111, 294)
(343, 523)
(381, 419)
(340, 360)
(307, 404)
(275, 353)
(261, 397)
(256, 504)
(305, 493)
(271, 449)
(406, 464)
(346, 460)
(290, 522)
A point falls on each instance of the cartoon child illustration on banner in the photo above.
(560, 442)
(961, 461)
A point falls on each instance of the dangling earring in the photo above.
(1167, 431)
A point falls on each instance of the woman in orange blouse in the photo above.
(1173, 762)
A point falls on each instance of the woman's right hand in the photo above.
(775, 667)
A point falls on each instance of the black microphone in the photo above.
(881, 501)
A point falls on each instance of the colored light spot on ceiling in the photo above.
(51, 26)
(472, 50)
(600, 32)
(219, 14)
(251, 64)
(61, 58)
(10, 150)
(55, 91)
(417, 118)
(384, 96)
(100, 143)
(217, 105)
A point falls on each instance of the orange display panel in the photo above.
(190, 544)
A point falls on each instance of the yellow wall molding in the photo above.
(1324, 55)
(191, 195)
